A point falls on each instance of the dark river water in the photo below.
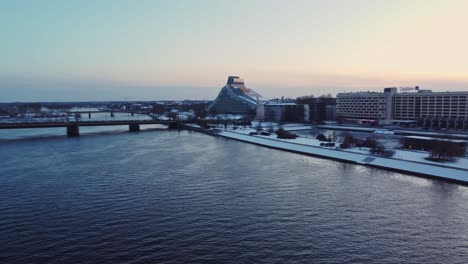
(183, 197)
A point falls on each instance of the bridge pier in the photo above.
(174, 125)
(134, 127)
(73, 130)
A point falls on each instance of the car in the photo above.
(253, 133)
(265, 133)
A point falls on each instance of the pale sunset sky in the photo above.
(79, 50)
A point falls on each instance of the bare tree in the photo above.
(443, 150)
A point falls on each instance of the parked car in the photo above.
(253, 133)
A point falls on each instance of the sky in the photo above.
(80, 50)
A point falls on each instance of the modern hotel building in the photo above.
(424, 107)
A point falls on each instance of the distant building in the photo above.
(320, 109)
(330, 112)
(296, 114)
(432, 109)
(260, 111)
(281, 111)
(275, 111)
(365, 107)
(424, 107)
(236, 98)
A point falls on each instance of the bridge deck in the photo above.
(108, 111)
(84, 123)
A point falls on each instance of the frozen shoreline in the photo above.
(403, 132)
(454, 172)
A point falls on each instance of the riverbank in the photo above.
(401, 131)
(407, 161)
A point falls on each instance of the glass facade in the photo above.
(235, 98)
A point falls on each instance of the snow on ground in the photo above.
(396, 131)
(405, 160)
(287, 127)
(402, 154)
(352, 128)
(225, 116)
(424, 133)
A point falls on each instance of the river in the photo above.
(182, 197)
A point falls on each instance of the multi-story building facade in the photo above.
(365, 107)
(431, 104)
(330, 114)
(427, 108)
(320, 108)
(433, 109)
(286, 112)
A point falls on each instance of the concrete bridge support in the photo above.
(134, 127)
(173, 126)
(73, 130)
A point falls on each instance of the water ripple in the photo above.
(169, 197)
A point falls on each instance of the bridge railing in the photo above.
(81, 118)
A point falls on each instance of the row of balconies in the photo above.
(443, 102)
(358, 100)
(434, 104)
(440, 101)
(360, 106)
(431, 98)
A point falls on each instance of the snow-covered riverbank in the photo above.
(403, 132)
(405, 161)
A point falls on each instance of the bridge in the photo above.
(111, 111)
(73, 127)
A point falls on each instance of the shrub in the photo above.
(382, 151)
(440, 150)
(321, 137)
(281, 133)
(348, 140)
(367, 143)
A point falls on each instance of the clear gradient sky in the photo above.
(114, 49)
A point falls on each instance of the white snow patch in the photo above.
(404, 160)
